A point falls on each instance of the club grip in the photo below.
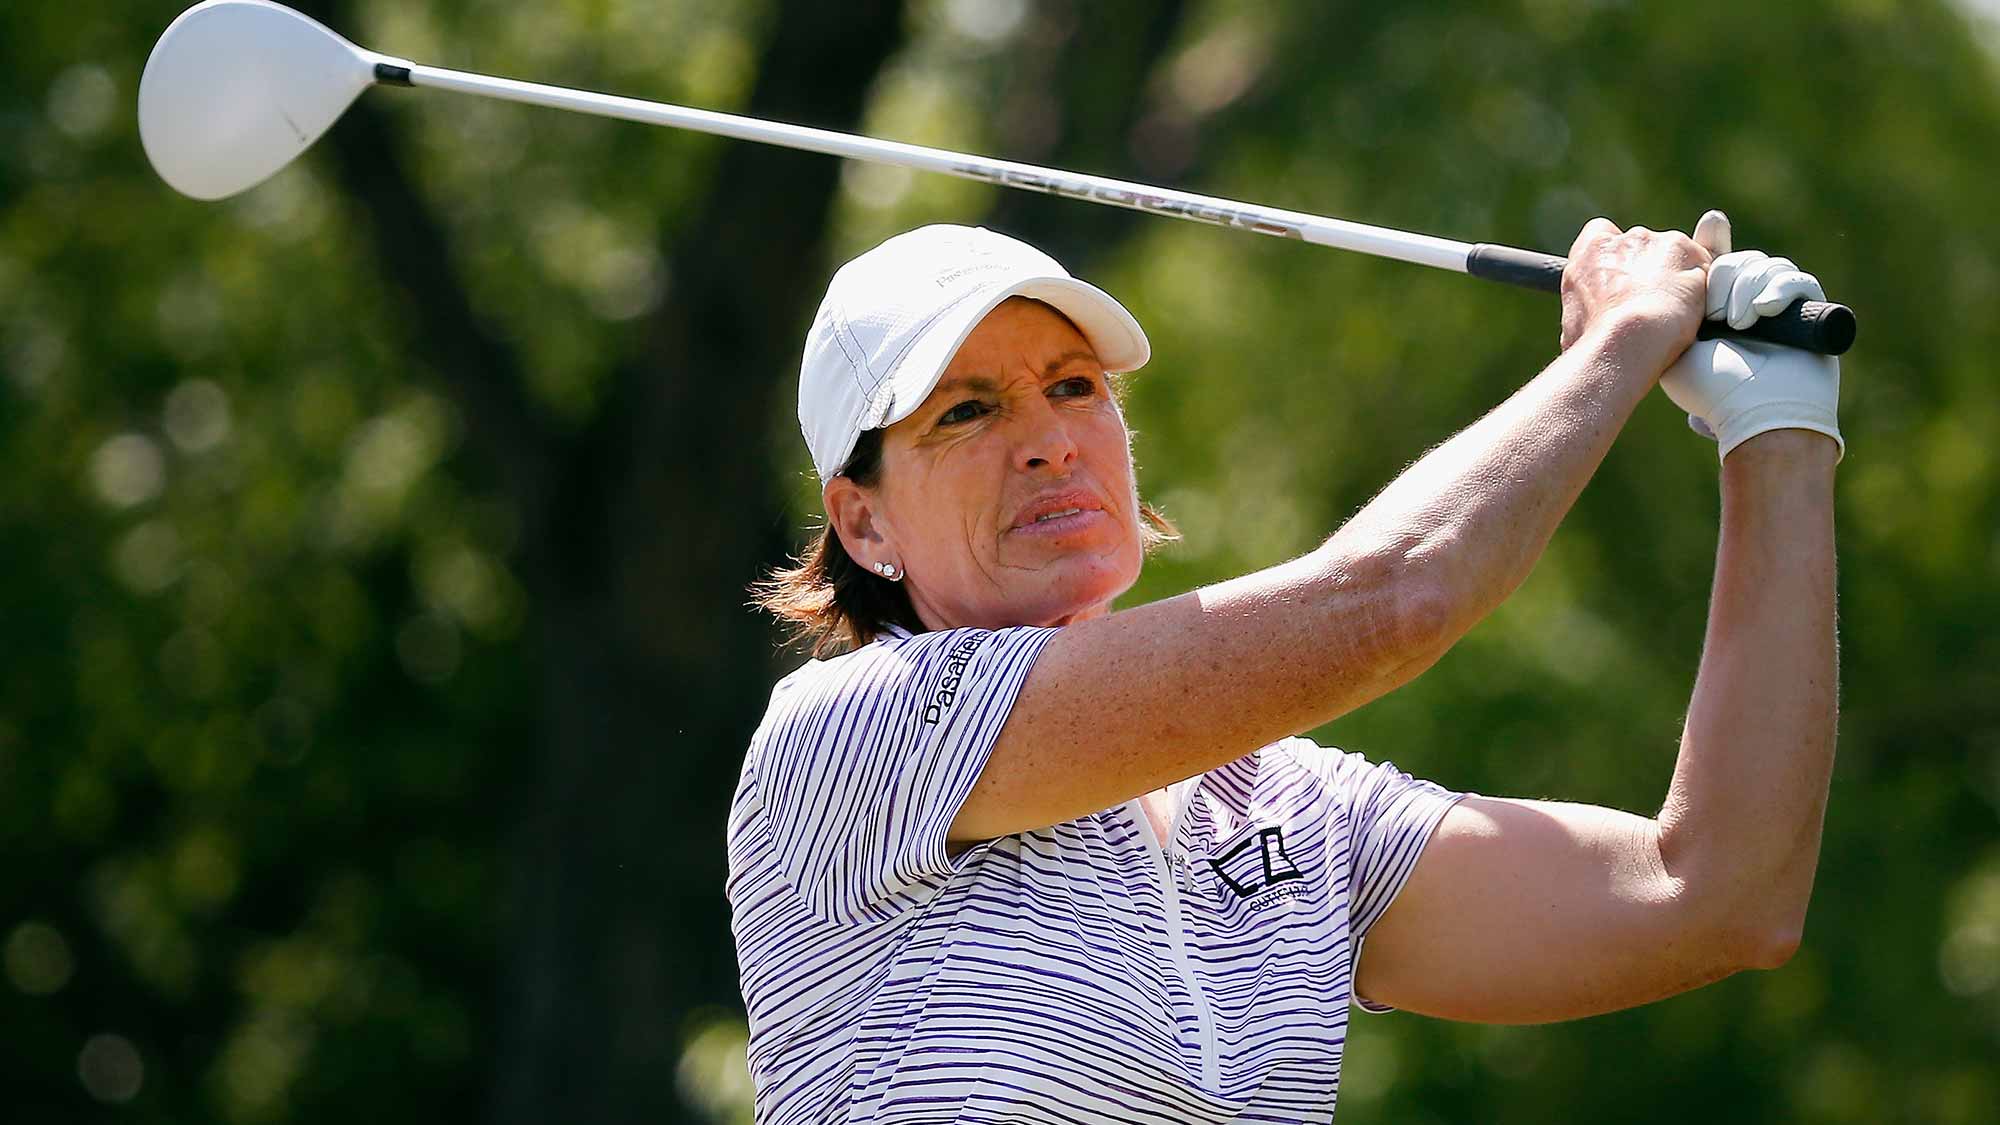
(1814, 326)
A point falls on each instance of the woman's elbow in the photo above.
(1756, 939)
(1771, 946)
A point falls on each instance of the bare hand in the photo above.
(1656, 281)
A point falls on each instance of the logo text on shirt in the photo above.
(954, 671)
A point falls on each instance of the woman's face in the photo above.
(1008, 497)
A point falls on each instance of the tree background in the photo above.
(375, 543)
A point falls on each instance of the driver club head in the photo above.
(235, 89)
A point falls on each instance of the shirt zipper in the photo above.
(1177, 936)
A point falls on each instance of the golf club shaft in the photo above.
(1815, 326)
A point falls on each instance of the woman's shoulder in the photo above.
(926, 669)
(1297, 759)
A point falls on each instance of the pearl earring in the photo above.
(888, 570)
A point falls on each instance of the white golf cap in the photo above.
(893, 318)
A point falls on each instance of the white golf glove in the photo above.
(1734, 390)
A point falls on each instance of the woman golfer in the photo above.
(1015, 857)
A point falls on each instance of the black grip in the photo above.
(1814, 326)
(1524, 268)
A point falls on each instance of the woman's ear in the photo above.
(852, 512)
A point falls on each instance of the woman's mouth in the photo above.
(1060, 522)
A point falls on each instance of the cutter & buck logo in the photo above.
(1256, 866)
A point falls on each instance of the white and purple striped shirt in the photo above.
(1074, 974)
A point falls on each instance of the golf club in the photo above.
(236, 89)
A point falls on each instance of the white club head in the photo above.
(235, 89)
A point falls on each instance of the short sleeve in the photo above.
(863, 761)
(1390, 816)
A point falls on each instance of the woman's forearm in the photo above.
(1123, 704)
(1741, 825)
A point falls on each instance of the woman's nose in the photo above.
(1044, 440)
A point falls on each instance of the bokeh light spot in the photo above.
(110, 1068)
(990, 22)
(1969, 959)
(714, 1070)
(877, 187)
(38, 959)
(82, 100)
(197, 415)
(128, 470)
(148, 559)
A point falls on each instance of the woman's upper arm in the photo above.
(862, 761)
(1532, 911)
(1124, 704)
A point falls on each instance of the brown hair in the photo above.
(832, 603)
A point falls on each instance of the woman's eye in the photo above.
(964, 412)
(1070, 388)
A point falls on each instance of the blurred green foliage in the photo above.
(277, 697)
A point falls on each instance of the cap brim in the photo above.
(1112, 332)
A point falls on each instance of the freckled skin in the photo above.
(1023, 412)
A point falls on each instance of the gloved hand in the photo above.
(1734, 390)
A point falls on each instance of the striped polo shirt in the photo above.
(1084, 972)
